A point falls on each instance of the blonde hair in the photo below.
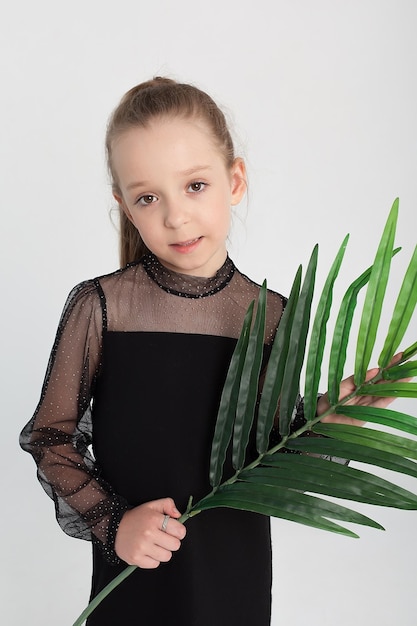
(160, 97)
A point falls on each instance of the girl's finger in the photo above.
(172, 527)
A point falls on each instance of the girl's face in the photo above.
(177, 191)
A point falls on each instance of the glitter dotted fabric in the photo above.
(144, 297)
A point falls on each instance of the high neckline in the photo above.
(184, 285)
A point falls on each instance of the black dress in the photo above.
(136, 371)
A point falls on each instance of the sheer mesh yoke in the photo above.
(142, 298)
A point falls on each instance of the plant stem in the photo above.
(103, 593)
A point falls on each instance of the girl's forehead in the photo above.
(165, 138)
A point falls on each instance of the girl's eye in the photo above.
(145, 200)
(197, 186)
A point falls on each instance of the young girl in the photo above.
(137, 370)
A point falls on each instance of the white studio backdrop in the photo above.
(322, 98)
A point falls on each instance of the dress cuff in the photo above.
(118, 507)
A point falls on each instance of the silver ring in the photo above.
(165, 523)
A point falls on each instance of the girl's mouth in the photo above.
(186, 246)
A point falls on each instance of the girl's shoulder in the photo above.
(91, 293)
(274, 298)
(249, 289)
(95, 285)
(124, 275)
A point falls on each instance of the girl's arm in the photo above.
(59, 434)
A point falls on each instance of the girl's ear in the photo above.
(238, 180)
(122, 206)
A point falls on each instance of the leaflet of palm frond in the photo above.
(272, 383)
(405, 370)
(318, 337)
(334, 448)
(390, 390)
(287, 504)
(228, 402)
(403, 311)
(375, 415)
(374, 298)
(341, 334)
(380, 440)
(310, 474)
(296, 349)
(409, 352)
(249, 384)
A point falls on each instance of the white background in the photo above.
(322, 98)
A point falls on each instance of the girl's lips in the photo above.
(185, 247)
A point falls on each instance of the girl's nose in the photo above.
(175, 214)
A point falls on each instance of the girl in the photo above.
(137, 369)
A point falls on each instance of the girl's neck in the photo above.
(185, 285)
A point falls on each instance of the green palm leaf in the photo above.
(404, 309)
(227, 409)
(286, 504)
(311, 474)
(297, 345)
(282, 485)
(390, 390)
(355, 452)
(386, 417)
(318, 337)
(248, 390)
(374, 297)
(367, 437)
(409, 352)
(406, 370)
(341, 333)
(272, 385)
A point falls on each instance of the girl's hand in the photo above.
(140, 539)
(347, 386)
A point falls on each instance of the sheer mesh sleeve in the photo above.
(59, 434)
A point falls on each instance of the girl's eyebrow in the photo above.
(194, 170)
(143, 183)
(188, 172)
